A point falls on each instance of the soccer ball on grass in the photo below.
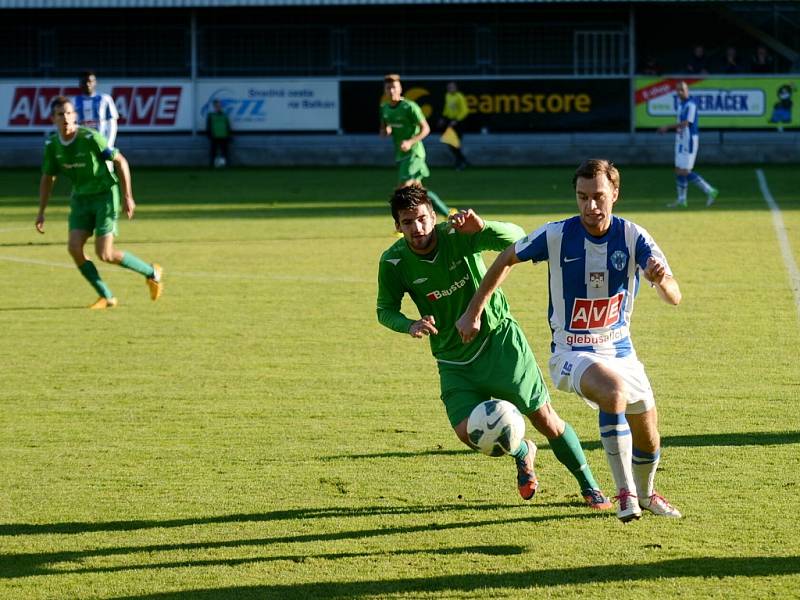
(496, 427)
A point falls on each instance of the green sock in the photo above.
(439, 206)
(129, 261)
(89, 271)
(568, 451)
(521, 452)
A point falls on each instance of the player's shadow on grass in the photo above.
(11, 529)
(295, 558)
(704, 568)
(747, 438)
(30, 564)
(28, 308)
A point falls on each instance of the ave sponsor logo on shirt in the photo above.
(437, 294)
(596, 313)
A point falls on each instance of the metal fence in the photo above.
(165, 50)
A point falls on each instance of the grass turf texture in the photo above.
(257, 434)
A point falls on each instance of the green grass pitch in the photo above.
(257, 434)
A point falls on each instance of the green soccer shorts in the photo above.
(96, 212)
(412, 167)
(505, 369)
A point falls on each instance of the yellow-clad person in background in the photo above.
(453, 114)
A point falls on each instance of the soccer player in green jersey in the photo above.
(80, 154)
(440, 266)
(403, 120)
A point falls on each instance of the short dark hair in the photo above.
(592, 167)
(86, 74)
(391, 78)
(58, 102)
(408, 197)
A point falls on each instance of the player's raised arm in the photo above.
(470, 322)
(666, 285)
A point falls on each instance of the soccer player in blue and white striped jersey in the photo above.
(687, 142)
(595, 261)
(97, 111)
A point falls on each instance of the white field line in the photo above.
(6, 229)
(205, 275)
(783, 239)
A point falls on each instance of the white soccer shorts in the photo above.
(686, 152)
(567, 368)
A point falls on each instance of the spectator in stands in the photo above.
(698, 64)
(762, 61)
(731, 65)
(94, 110)
(454, 113)
(218, 131)
(651, 66)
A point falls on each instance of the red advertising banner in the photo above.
(142, 105)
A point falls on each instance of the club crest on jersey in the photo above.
(597, 278)
(595, 313)
(618, 260)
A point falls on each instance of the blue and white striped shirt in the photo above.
(593, 282)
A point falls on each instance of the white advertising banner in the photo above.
(144, 104)
(272, 104)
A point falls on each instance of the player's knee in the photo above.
(75, 250)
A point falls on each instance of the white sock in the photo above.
(615, 435)
(644, 472)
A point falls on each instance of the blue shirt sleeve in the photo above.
(533, 246)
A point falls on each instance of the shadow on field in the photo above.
(276, 515)
(26, 308)
(29, 564)
(746, 438)
(480, 583)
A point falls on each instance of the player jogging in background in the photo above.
(439, 266)
(97, 111)
(594, 261)
(687, 140)
(403, 120)
(80, 154)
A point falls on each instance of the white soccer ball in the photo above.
(219, 162)
(496, 427)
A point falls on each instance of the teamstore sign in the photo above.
(273, 104)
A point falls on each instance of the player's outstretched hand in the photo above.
(466, 221)
(425, 326)
(468, 327)
(655, 271)
(40, 223)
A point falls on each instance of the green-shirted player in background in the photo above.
(440, 267)
(80, 154)
(403, 120)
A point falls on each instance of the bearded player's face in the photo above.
(417, 226)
